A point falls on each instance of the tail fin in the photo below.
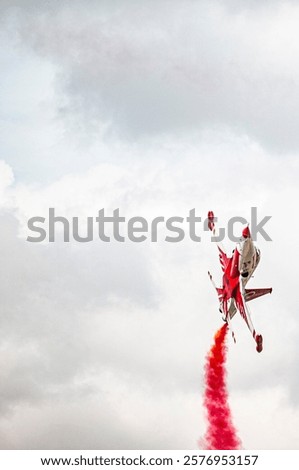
(227, 317)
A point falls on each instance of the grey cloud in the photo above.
(147, 71)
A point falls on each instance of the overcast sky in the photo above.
(155, 108)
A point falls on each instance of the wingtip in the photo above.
(259, 343)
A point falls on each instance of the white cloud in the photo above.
(6, 179)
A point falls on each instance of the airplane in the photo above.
(237, 270)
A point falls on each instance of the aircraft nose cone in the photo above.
(246, 232)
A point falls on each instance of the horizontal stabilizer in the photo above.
(251, 294)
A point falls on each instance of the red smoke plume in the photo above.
(221, 433)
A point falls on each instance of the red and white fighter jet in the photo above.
(237, 270)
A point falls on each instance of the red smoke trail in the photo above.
(221, 433)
